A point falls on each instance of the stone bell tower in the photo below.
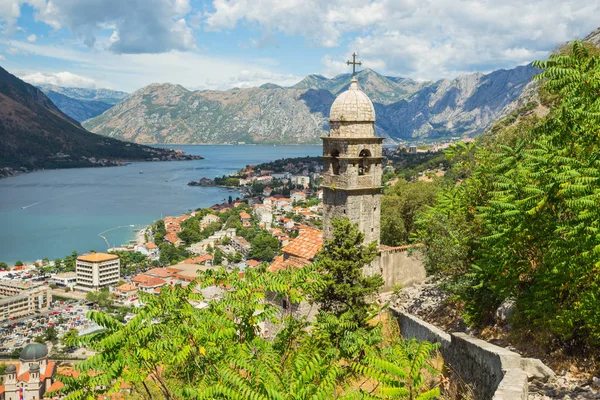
(352, 164)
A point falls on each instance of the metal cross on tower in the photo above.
(354, 63)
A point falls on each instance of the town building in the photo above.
(240, 244)
(149, 249)
(32, 377)
(66, 279)
(26, 300)
(245, 219)
(96, 271)
(9, 288)
(126, 294)
(300, 180)
(209, 219)
(173, 239)
(298, 196)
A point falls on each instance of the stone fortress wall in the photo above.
(494, 372)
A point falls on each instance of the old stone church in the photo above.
(352, 171)
(352, 186)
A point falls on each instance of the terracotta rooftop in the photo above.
(126, 287)
(308, 243)
(151, 246)
(97, 257)
(152, 282)
(245, 215)
(55, 386)
(280, 263)
(158, 272)
(253, 263)
(171, 237)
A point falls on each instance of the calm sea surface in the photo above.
(51, 213)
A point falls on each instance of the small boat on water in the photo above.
(141, 172)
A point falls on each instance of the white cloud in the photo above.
(2, 57)
(64, 78)
(419, 38)
(132, 71)
(138, 26)
(307, 18)
(31, 38)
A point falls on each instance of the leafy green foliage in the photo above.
(182, 345)
(402, 371)
(346, 291)
(524, 218)
(102, 298)
(399, 208)
(264, 246)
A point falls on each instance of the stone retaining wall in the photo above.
(493, 372)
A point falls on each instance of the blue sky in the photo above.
(218, 44)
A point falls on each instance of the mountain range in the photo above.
(81, 104)
(35, 134)
(168, 113)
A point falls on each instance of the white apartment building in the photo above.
(96, 271)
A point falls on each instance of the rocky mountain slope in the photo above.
(166, 113)
(81, 104)
(594, 37)
(34, 133)
(103, 95)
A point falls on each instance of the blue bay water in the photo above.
(51, 213)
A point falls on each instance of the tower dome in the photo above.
(353, 105)
(34, 352)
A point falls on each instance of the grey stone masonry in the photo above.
(352, 165)
(494, 372)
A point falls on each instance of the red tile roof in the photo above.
(280, 263)
(151, 246)
(245, 215)
(158, 272)
(49, 371)
(198, 260)
(308, 243)
(152, 282)
(55, 386)
(24, 377)
(253, 263)
(171, 237)
(126, 287)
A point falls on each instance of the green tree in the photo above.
(102, 298)
(346, 291)
(51, 334)
(40, 339)
(218, 257)
(18, 263)
(400, 207)
(264, 246)
(3, 266)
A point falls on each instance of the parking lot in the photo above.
(63, 315)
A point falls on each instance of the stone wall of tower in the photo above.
(351, 129)
(362, 207)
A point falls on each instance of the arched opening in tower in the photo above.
(335, 162)
(363, 167)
